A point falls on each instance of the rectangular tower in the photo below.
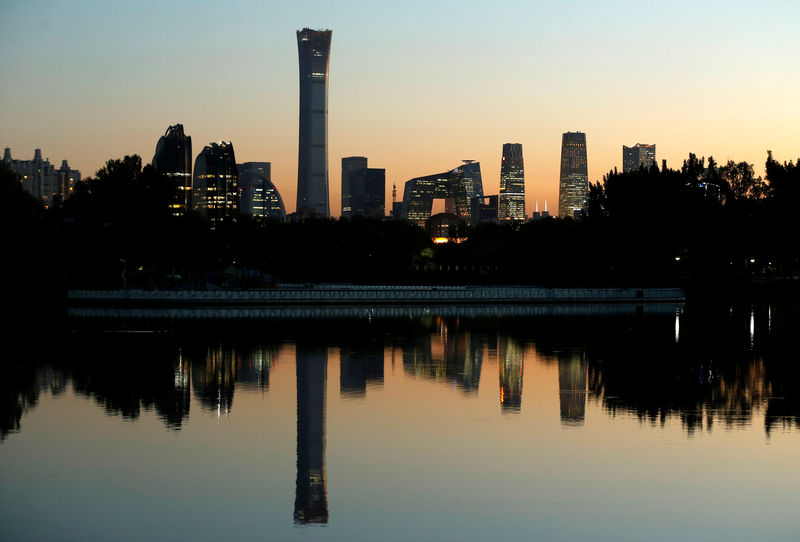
(512, 183)
(313, 47)
(354, 170)
(574, 180)
(639, 155)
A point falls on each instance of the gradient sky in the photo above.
(414, 86)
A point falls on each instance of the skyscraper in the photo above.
(512, 183)
(216, 182)
(363, 188)
(639, 155)
(258, 196)
(313, 48)
(574, 181)
(451, 186)
(173, 158)
(354, 170)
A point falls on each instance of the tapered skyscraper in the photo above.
(574, 182)
(313, 48)
(512, 183)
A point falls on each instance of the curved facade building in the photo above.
(574, 180)
(215, 191)
(173, 158)
(512, 183)
(258, 196)
(313, 47)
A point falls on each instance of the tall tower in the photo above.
(639, 155)
(215, 183)
(313, 47)
(574, 182)
(512, 183)
(173, 158)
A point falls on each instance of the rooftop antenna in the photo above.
(394, 192)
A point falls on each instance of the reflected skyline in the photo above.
(691, 374)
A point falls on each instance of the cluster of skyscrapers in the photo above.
(219, 188)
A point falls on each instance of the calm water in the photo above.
(678, 425)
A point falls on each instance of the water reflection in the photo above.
(512, 360)
(706, 367)
(449, 353)
(311, 499)
(572, 372)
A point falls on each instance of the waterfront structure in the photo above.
(574, 179)
(640, 155)
(41, 179)
(311, 497)
(258, 196)
(313, 48)
(173, 158)
(452, 186)
(512, 184)
(215, 192)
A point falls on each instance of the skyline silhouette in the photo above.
(392, 98)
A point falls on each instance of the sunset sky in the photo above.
(414, 86)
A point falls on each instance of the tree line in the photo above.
(702, 223)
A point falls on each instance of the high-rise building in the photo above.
(313, 48)
(41, 179)
(363, 188)
(450, 186)
(574, 181)
(216, 182)
(258, 196)
(473, 184)
(637, 156)
(512, 183)
(354, 170)
(173, 158)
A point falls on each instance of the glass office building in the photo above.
(215, 192)
(173, 158)
(574, 180)
(637, 156)
(313, 48)
(512, 183)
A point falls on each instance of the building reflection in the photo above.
(359, 366)
(214, 378)
(255, 365)
(452, 355)
(311, 500)
(511, 359)
(572, 372)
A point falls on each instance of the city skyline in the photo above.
(404, 113)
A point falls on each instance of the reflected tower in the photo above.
(574, 179)
(511, 361)
(313, 47)
(572, 371)
(311, 499)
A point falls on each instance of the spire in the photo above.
(537, 205)
(545, 206)
(394, 192)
